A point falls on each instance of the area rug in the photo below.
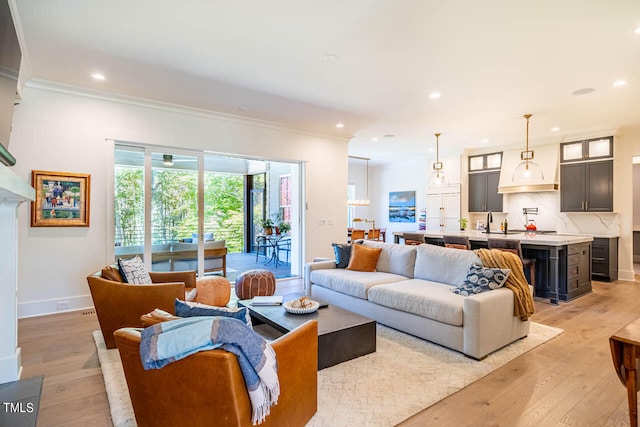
(404, 376)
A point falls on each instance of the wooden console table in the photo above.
(625, 350)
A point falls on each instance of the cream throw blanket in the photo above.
(495, 258)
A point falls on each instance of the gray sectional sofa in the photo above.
(411, 291)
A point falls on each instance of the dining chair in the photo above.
(456, 242)
(357, 234)
(373, 234)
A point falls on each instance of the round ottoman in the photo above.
(256, 282)
(213, 290)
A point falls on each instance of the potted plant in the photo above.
(284, 227)
(463, 223)
(267, 225)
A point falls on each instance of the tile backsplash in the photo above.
(549, 217)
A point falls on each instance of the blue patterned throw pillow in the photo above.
(133, 271)
(192, 309)
(480, 279)
(342, 252)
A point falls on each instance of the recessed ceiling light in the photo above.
(243, 108)
(330, 57)
(435, 95)
(583, 91)
(637, 31)
(374, 139)
(98, 76)
(555, 129)
(339, 125)
(484, 141)
(619, 83)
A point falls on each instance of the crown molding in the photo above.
(170, 107)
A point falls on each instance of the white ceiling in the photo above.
(491, 60)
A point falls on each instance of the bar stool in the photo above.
(413, 238)
(457, 242)
(514, 246)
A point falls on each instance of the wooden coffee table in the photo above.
(342, 335)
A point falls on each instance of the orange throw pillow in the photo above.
(364, 258)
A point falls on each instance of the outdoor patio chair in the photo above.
(284, 245)
(262, 244)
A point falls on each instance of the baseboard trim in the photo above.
(11, 367)
(628, 275)
(53, 306)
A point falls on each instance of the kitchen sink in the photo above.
(502, 232)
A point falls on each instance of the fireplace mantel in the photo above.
(13, 192)
(13, 188)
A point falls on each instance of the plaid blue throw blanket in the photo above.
(167, 342)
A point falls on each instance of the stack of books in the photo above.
(267, 300)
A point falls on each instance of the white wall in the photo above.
(626, 145)
(409, 175)
(412, 174)
(69, 132)
(636, 197)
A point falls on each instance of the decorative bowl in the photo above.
(307, 310)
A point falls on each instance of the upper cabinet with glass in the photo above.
(485, 162)
(589, 149)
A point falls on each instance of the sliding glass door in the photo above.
(197, 211)
(174, 212)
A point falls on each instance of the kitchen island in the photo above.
(563, 262)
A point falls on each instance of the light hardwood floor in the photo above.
(569, 381)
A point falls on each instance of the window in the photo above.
(128, 200)
(351, 210)
(285, 197)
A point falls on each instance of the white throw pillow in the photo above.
(133, 271)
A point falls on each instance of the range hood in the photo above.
(546, 156)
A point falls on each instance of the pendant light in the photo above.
(528, 170)
(361, 202)
(438, 176)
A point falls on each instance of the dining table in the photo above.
(273, 241)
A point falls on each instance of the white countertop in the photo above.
(524, 238)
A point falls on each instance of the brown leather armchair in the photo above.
(207, 388)
(119, 305)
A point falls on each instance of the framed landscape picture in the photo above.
(402, 206)
(62, 199)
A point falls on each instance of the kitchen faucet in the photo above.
(489, 221)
